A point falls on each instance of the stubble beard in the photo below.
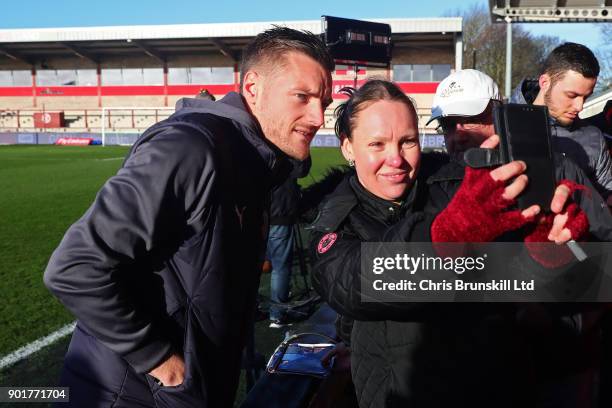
(275, 134)
(549, 102)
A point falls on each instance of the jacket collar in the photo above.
(553, 122)
(232, 106)
(336, 207)
(272, 155)
(348, 194)
(526, 91)
(379, 208)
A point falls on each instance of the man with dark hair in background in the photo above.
(568, 78)
(162, 271)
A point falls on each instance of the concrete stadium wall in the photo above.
(134, 101)
(423, 55)
(16, 102)
(66, 102)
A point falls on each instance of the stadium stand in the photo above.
(101, 78)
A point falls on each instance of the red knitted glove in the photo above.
(545, 252)
(477, 211)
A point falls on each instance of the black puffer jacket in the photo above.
(420, 354)
(409, 354)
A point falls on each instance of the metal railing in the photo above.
(124, 124)
(85, 120)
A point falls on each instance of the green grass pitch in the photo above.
(43, 190)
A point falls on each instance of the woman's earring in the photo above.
(351, 162)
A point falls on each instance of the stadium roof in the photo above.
(163, 41)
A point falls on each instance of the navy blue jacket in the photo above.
(167, 259)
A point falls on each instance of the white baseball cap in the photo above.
(464, 93)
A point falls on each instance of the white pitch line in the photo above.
(112, 158)
(35, 346)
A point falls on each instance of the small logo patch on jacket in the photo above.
(326, 242)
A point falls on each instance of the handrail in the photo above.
(127, 118)
(21, 119)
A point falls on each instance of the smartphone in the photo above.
(524, 131)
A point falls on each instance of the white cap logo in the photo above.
(453, 89)
(463, 93)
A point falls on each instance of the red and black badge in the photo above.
(326, 242)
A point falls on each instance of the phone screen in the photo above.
(527, 138)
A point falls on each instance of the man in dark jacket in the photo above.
(162, 270)
(568, 77)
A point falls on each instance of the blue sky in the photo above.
(76, 13)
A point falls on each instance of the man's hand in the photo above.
(559, 233)
(171, 372)
(506, 172)
(478, 212)
(512, 190)
(568, 221)
(490, 143)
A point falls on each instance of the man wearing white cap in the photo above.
(463, 106)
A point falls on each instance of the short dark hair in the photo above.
(271, 45)
(372, 91)
(571, 56)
